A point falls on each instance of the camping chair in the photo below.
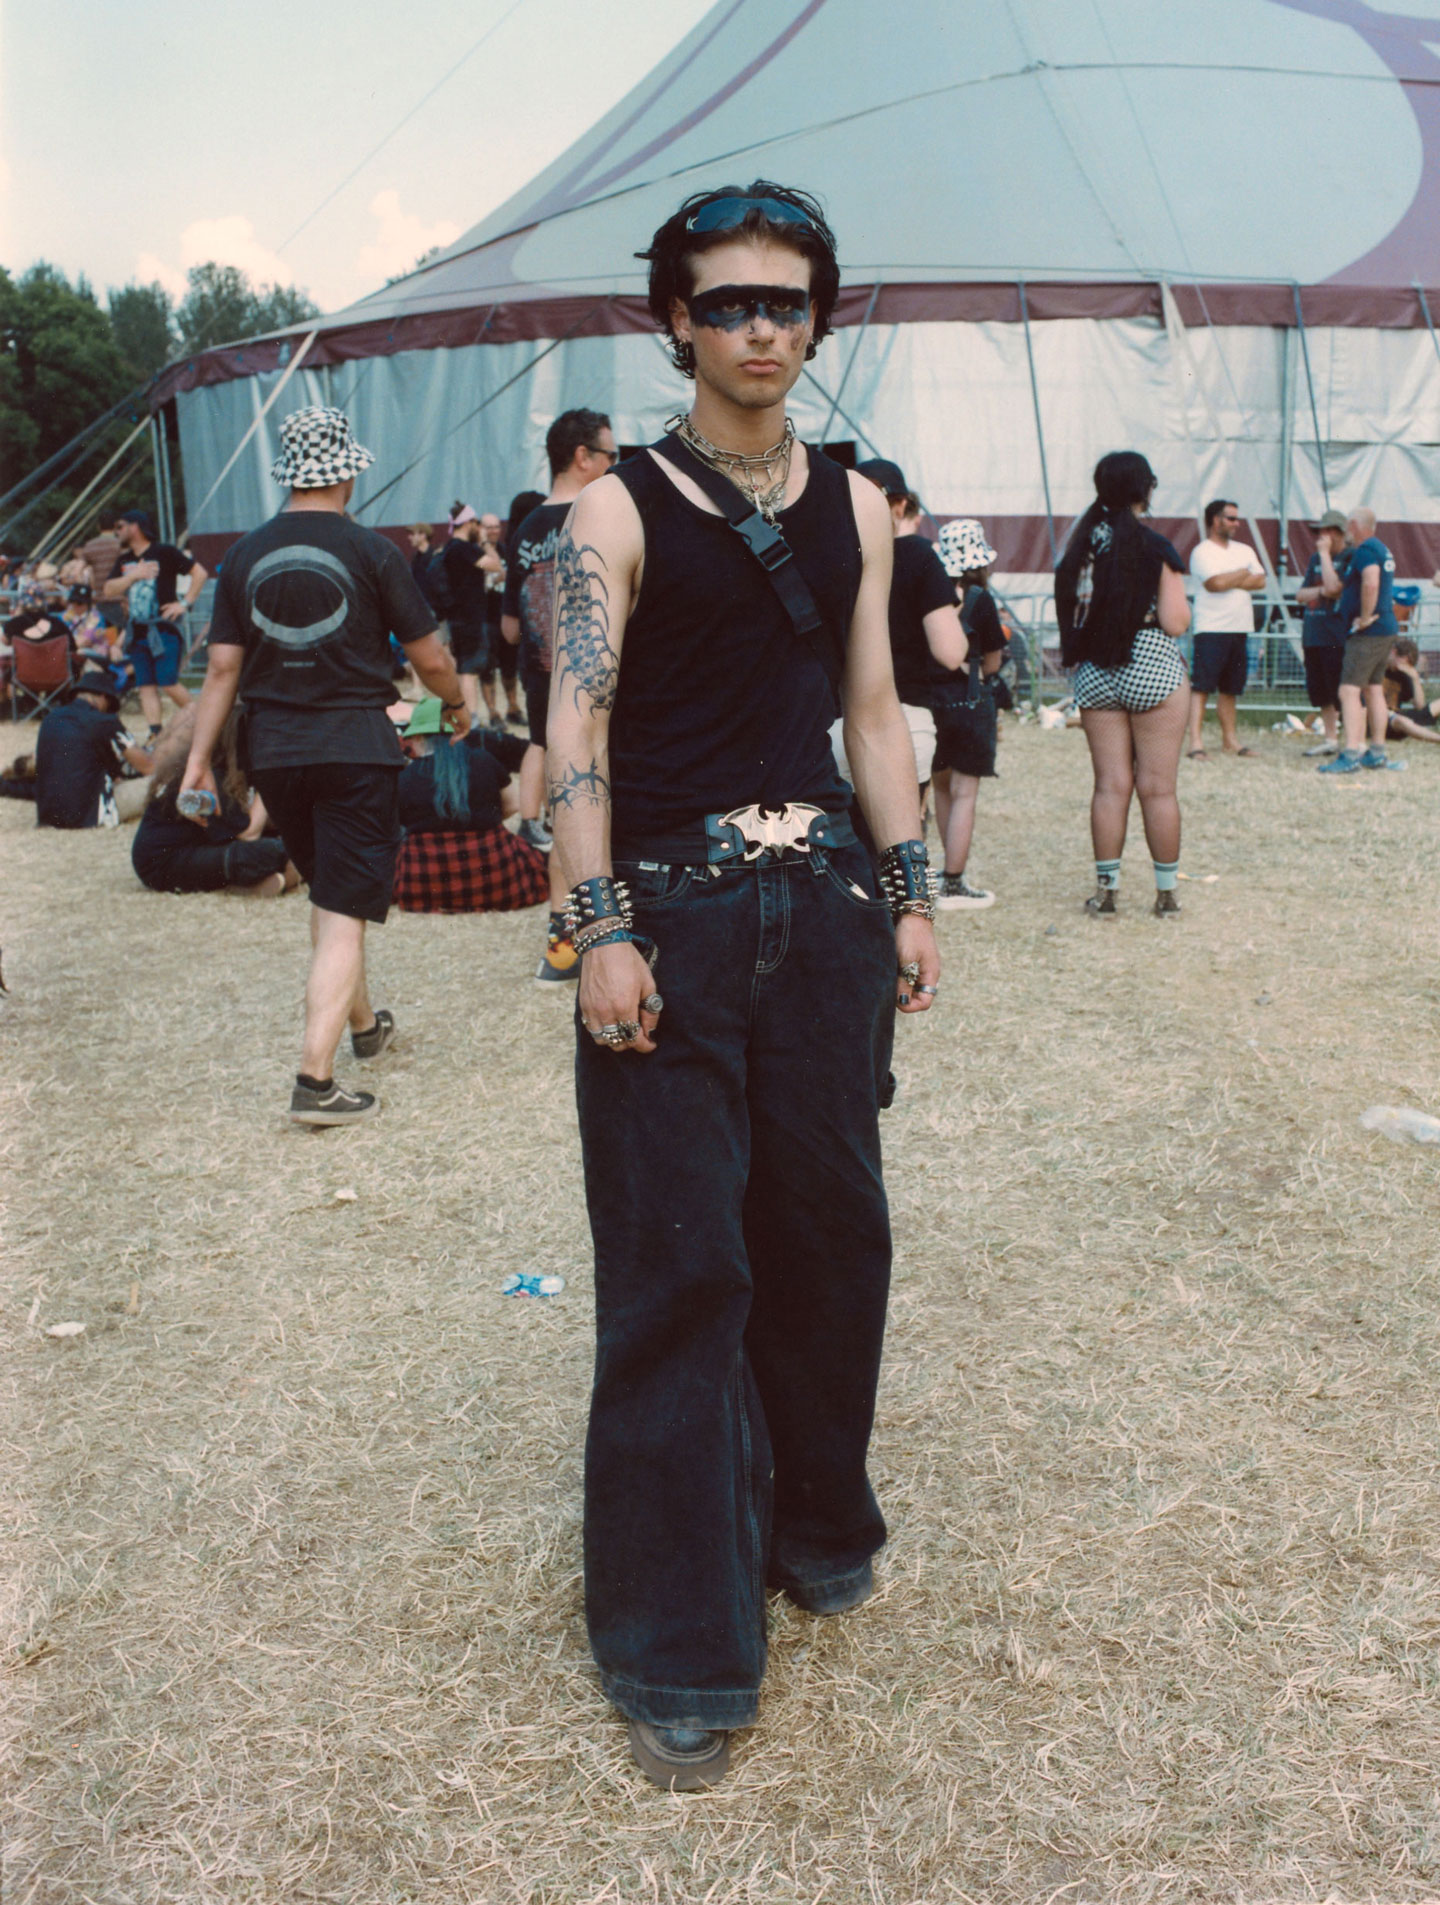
(40, 665)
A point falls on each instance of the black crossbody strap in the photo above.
(765, 543)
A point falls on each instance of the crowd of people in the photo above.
(746, 677)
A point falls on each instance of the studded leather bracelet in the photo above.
(906, 880)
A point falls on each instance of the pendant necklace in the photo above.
(751, 475)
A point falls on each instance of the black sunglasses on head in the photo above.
(728, 214)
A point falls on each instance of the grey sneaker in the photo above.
(1325, 747)
(1101, 903)
(953, 892)
(372, 1043)
(334, 1105)
(536, 834)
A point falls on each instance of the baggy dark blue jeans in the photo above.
(742, 1264)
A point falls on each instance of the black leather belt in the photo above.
(743, 837)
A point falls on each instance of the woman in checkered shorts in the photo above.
(1120, 601)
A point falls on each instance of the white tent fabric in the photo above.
(1092, 152)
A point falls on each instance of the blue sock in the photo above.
(1167, 872)
(1107, 874)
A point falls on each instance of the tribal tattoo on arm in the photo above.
(582, 626)
(580, 787)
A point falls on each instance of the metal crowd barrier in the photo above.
(1277, 672)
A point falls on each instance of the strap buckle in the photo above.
(748, 832)
(764, 541)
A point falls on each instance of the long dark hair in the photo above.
(173, 750)
(1111, 552)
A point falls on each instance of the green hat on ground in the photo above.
(428, 718)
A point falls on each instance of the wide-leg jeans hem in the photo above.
(816, 1585)
(720, 1710)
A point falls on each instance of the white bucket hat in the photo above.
(318, 448)
(963, 547)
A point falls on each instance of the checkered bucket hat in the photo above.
(963, 547)
(318, 448)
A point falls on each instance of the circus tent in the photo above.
(1065, 228)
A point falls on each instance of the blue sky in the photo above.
(137, 139)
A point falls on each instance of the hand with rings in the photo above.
(619, 1006)
(917, 963)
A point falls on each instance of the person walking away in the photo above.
(731, 1154)
(926, 639)
(967, 712)
(304, 611)
(1368, 612)
(1121, 606)
(500, 657)
(1323, 631)
(580, 447)
(80, 753)
(467, 568)
(1228, 573)
(147, 575)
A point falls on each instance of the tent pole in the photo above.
(849, 365)
(75, 442)
(165, 471)
(260, 415)
(1039, 426)
(92, 514)
(95, 481)
(159, 475)
(1287, 440)
(1310, 386)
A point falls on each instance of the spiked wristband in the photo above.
(906, 879)
(592, 902)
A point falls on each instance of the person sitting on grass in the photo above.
(457, 855)
(227, 851)
(1412, 713)
(19, 781)
(80, 752)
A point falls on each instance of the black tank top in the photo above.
(720, 703)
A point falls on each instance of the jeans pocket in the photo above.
(653, 885)
(849, 871)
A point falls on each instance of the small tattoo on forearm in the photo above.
(580, 787)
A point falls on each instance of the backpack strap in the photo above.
(766, 543)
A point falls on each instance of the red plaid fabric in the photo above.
(468, 872)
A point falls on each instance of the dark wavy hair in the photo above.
(1124, 566)
(673, 249)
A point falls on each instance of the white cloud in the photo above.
(401, 239)
(222, 241)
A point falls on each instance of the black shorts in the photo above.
(537, 706)
(498, 654)
(965, 737)
(469, 647)
(340, 822)
(1221, 664)
(1322, 675)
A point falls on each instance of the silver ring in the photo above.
(653, 1004)
(932, 990)
(910, 971)
(628, 1029)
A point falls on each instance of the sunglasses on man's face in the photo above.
(728, 214)
(599, 449)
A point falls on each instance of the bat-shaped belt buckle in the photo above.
(770, 829)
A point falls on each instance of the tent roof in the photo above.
(961, 145)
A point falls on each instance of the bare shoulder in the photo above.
(872, 512)
(604, 516)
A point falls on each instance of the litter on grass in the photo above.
(1401, 1123)
(519, 1285)
(65, 1329)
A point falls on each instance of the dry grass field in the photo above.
(291, 1599)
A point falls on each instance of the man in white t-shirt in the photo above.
(1227, 574)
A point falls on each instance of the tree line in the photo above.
(66, 358)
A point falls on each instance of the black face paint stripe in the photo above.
(727, 307)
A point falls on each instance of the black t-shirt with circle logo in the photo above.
(313, 599)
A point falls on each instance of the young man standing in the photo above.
(1228, 573)
(500, 657)
(148, 573)
(580, 446)
(303, 617)
(468, 567)
(731, 1149)
(1323, 631)
(1367, 610)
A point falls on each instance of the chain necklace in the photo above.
(750, 474)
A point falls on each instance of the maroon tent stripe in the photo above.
(522, 319)
(1023, 542)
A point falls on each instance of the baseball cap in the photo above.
(884, 475)
(1332, 519)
